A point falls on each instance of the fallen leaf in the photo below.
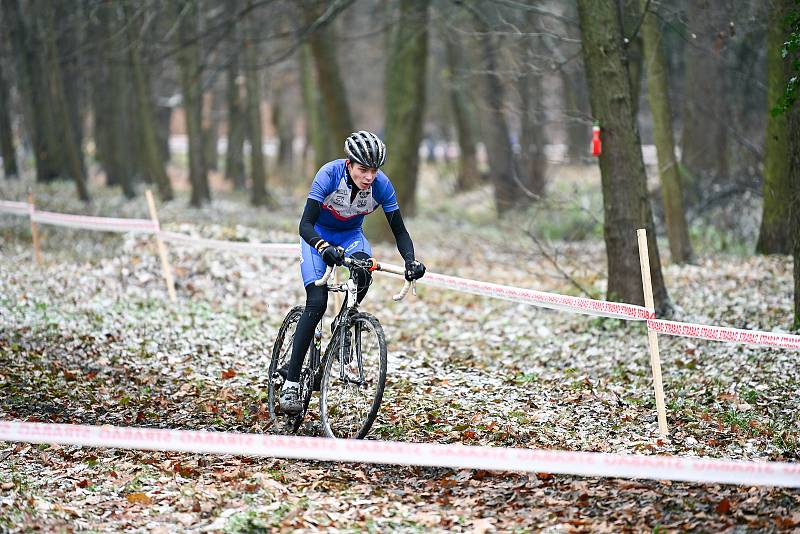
(724, 506)
(479, 526)
(230, 373)
(139, 498)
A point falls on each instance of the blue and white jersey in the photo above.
(331, 189)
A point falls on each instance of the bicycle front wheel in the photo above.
(353, 380)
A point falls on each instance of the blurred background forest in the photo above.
(491, 96)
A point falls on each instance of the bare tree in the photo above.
(316, 136)
(677, 229)
(337, 122)
(259, 196)
(7, 150)
(507, 191)
(625, 202)
(532, 159)
(468, 174)
(774, 236)
(704, 145)
(405, 99)
(25, 33)
(187, 18)
(72, 152)
(152, 162)
(234, 158)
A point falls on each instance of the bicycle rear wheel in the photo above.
(353, 384)
(281, 354)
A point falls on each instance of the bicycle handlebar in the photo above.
(372, 265)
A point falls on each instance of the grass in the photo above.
(739, 419)
(249, 521)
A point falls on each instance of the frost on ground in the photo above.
(89, 338)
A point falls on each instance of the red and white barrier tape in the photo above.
(15, 208)
(616, 310)
(721, 333)
(108, 224)
(391, 452)
(265, 249)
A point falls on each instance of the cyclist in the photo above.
(342, 193)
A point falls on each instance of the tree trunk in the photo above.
(163, 124)
(72, 153)
(190, 73)
(576, 103)
(577, 114)
(469, 176)
(234, 158)
(283, 121)
(150, 154)
(625, 202)
(338, 121)
(259, 196)
(507, 192)
(27, 45)
(677, 230)
(794, 179)
(119, 169)
(69, 47)
(774, 236)
(211, 130)
(99, 86)
(633, 51)
(405, 100)
(316, 135)
(6, 133)
(532, 158)
(704, 142)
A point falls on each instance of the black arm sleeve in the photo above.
(401, 236)
(308, 220)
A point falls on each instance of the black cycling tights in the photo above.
(316, 303)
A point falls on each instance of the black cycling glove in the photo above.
(414, 270)
(332, 255)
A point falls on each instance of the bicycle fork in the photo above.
(355, 344)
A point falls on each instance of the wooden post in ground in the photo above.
(652, 337)
(37, 251)
(166, 269)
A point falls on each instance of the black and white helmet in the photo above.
(365, 148)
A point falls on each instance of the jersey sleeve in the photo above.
(388, 197)
(324, 183)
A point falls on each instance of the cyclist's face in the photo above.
(362, 175)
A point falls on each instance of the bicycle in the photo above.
(351, 384)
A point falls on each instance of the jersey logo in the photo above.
(336, 203)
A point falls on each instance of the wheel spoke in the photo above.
(353, 384)
(281, 353)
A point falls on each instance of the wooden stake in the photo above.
(166, 269)
(37, 251)
(652, 337)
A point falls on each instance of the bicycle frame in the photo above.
(342, 319)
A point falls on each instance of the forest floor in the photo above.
(89, 338)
